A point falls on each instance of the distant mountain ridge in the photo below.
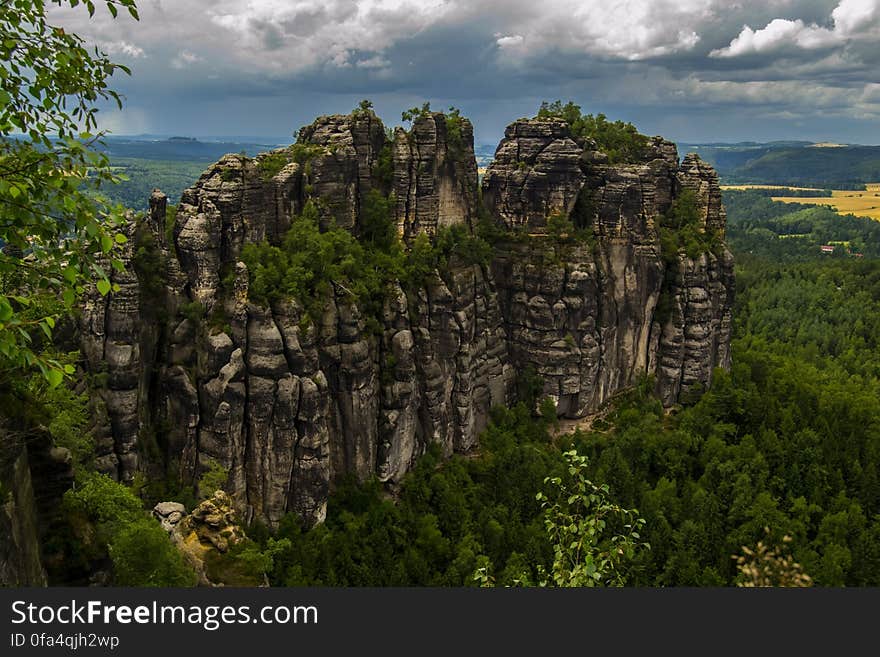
(794, 163)
(182, 148)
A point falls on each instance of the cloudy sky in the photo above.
(692, 70)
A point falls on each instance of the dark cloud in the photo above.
(690, 69)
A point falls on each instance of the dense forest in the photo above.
(799, 164)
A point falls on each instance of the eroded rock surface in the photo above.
(197, 373)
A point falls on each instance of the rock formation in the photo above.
(198, 373)
(205, 536)
(589, 323)
(435, 174)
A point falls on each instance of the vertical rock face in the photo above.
(435, 174)
(34, 475)
(700, 178)
(590, 320)
(349, 168)
(536, 173)
(202, 374)
(19, 536)
(111, 327)
(695, 338)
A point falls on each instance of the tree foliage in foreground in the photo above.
(55, 235)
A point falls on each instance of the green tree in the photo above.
(108, 520)
(416, 112)
(143, 555)
(593, 538)
(56, 235)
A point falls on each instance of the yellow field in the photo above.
(804, 189)
(861, 204)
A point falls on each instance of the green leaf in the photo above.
(103, 286)
(6, 311)
(54, 377)
(106, 243)
(120, 238)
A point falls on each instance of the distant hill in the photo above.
(793, 163)
(170, 163)
(186, 149)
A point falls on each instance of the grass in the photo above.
(860, 203)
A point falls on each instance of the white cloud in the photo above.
(852, 20)
(629, 30)
(852, 16)
(276, 36)
(185, 59)
(777, 32)
(806, 55)
(279, 35)
(122, 48)
(511, 41)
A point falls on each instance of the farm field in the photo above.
(800, 189)
(860, 203)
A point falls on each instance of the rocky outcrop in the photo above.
(695, 336)
(592, 320)
(110, 327)
(435, 174)
(536, 173)
(198, 374)
(205, 538)
(701, 179)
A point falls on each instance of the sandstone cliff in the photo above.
(198, 373)
(435, 174)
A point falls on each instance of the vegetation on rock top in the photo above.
(620, 140)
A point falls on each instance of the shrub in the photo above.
(594, 539)
(149, 265)
(271, 164)
(108, 520)
(194, 311)
(414, 113)
(621, 141)
(213, 479)
(681, 229)
(170, 218)
(143, 555)
(310, 264)
(384, 168)
(454, 137)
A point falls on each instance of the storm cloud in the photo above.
(694, 70)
